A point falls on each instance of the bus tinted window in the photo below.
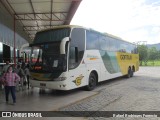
(77, 46)
(92, 40)
(104, 42)
(126, 47)
(51, 35)
(113, 44)
(122, 46)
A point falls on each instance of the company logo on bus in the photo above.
(78, 80)
(125, 57)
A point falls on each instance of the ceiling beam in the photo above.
(56, 17)
(51, 12)
(15, 14)
(36, 26)
(28, 19)
(63, 17)
(30, 1)
(43, 17)
(42, 13)
(33, 10)
(72, 10)
(7, 8)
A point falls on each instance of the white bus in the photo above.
(68, 57)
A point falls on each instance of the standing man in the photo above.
(27, 73)
(4, 70)
(9, 80)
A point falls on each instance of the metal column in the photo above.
(14, 40)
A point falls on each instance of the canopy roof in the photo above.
(35, 15)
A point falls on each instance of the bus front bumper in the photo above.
(57, 85)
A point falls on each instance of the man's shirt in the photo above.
(10, 79)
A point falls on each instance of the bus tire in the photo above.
(132, 73)
(129, 73)
(133, 70)
(92, 82)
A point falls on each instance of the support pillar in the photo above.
(14, 40)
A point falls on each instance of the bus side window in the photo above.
(92, 40)
(73, 56)
(77, 46)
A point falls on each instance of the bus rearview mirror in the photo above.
(62, 45)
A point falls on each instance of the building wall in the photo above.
(7, 30)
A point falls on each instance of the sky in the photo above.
(131, 20)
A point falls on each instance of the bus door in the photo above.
(76, 65)
(77, 68)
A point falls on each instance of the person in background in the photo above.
(27, 73)
(15, 69)
(21, 74)
(5, 67)
(9, 80)
(23, 65)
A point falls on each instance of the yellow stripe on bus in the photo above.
(93, 58)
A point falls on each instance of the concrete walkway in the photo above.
(39, 100)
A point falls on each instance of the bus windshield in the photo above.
(47, 58)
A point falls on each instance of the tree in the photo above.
(153, 54)
(158, 56)
(143, 53)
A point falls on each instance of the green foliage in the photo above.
(150, 63)
(152, 54)
(149, 56)
(143, 53)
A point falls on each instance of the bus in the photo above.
(68, 57)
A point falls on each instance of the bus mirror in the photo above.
(62, 45)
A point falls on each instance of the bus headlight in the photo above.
(60, 78)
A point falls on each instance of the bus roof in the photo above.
(77, 26)
(61, 26)
(112, 36)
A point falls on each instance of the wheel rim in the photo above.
(92, 82)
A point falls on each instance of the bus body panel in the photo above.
(108, 56)
(127, 60)
(77, 77)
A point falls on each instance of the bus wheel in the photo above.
(130, 73)
(92, 82)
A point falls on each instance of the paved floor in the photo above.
(44, 101)
(139, 93)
